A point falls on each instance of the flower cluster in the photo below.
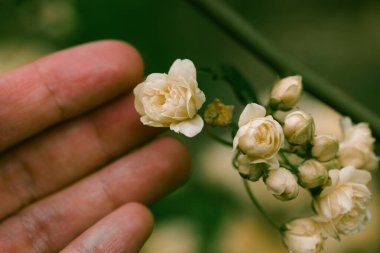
(288, 154)
(285, 153)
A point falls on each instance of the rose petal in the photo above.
(345, 124)
(138, 105)
(372, 163)
(329, 227)
(200, 98)
(155, 76)
(183, 68)
(149, 122)
(350, 174)
(190, 127)
(272, 162)
(251, 111)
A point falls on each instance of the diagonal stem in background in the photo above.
(252, 40)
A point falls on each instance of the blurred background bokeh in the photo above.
(338, 39)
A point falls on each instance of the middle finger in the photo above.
(68, 152)
(51, 223)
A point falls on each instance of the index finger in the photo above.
(63, 85)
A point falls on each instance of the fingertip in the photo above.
(130, 58)
(123, 58)
(124, 230)
(143, 217)
(64, 85)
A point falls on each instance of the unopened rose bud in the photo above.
(218, 114)
(282, 184)
(304, 236)
(249, 170)
(325, 147)
(299, 127)
(312, 173)
(286, 93)
(333, 164)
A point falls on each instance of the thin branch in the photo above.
(258, 206)
(252, 40)
(217, 138)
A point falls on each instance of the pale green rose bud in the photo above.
(282, 184)
(325, 147)
(286, 93)
(332, 164)
(304, 236)
(299, 127)
(249, 170)
(312, 173)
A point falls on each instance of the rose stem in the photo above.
(248, 37)
(217, 138)
(258, 206)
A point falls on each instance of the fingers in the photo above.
(143, 176)
(63, 85)
(124, 230)
(68, 152)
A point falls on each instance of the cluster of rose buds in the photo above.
(287, 154)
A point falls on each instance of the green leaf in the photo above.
(239, 84)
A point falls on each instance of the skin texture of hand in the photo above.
(75, 160)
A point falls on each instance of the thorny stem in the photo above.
(259, 207)
(253, 41)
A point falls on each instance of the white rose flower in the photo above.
(171, 100)
(304, 236)
(343, 206)
(259, 136)
(357, 146)
(286, 92)
(282, 184)
(299, 127)
(312, 173)
(325, 147)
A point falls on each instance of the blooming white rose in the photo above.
(325, 147)
(171, 100)
(304, 236)
(282, 184)
(286, 92)
(357, 146)
(259, 136)
(343, 206)
(299, 127)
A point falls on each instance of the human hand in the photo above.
(72, 159)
